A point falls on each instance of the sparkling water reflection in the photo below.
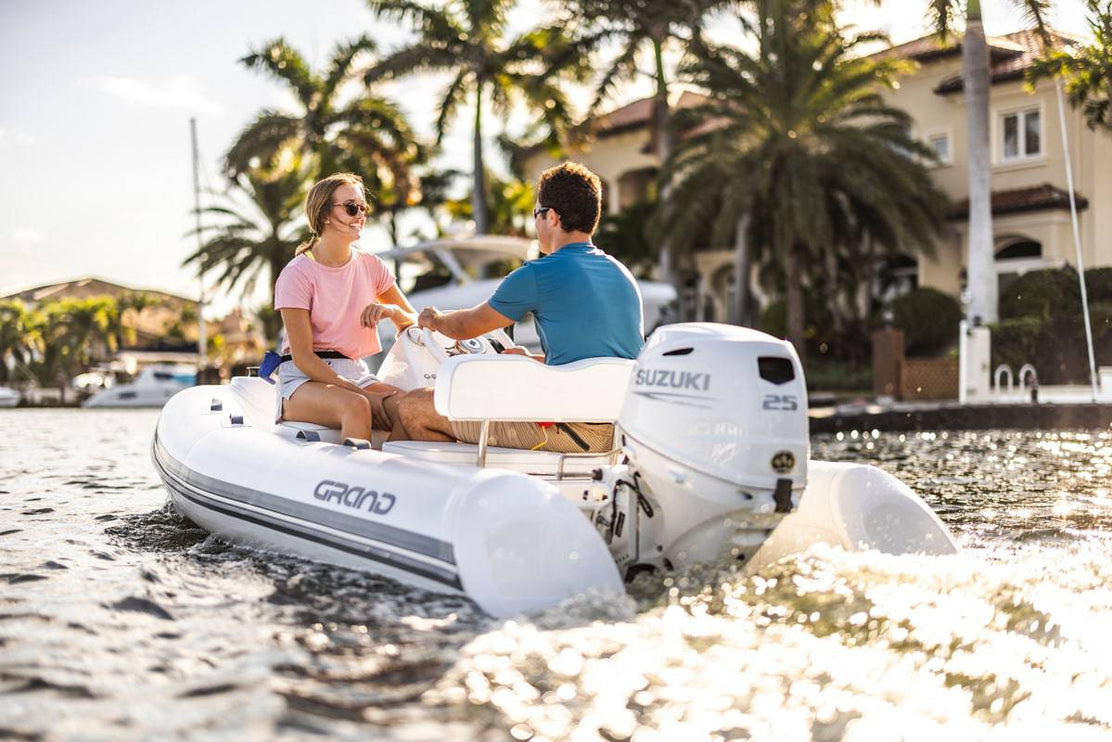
(119, 619)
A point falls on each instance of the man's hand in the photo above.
(375, 313)
(517, 350)
(429, 317)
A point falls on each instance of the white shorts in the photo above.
(290, 378)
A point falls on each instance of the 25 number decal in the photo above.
(780, 402)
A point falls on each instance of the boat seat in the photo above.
(539, 463)
(256, 398)
(513, 387)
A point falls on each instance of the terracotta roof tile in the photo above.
(637, 114)
(1015, 66)
(1033, 198)
(929, 48)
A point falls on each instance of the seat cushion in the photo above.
(539, 463)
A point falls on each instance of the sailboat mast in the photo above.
(202, 341)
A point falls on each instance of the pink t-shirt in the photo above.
(335, 298)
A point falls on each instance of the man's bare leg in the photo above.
(421, 420)
(397, 427)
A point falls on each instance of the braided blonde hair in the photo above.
(319, 202)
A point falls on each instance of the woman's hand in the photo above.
(375, 313)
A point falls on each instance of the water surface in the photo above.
(121, 620)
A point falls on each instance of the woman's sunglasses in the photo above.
(353, 207)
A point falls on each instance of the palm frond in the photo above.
(339, 68)
(942, 16)
(261, 140)
(287, 65)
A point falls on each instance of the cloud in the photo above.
(16, 137)
(24, 241)
(176, 92)
(26, 236)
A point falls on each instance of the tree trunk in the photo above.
(794, 299)
(392, 227)
(865, 293)
(478, 197)
(739, 312)
(981, 266)
(662, 145)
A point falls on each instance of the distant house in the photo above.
(619, 150)
(164, 331)
(1030, 202)
(157, 327)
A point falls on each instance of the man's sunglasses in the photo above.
(354, 207)
(538, 210)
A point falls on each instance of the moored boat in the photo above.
(152, 387)
(9, 397)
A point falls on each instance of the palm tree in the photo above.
(68, 333)
(796, 154)
(1087, 69)
(368, 134)
(130, 306)
(257, 228)
(468, 39)
(637, 27)
(509, 201)
(16, 342)
(976, 81)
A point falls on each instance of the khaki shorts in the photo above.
(598, 437)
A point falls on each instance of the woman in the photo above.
(332, 298)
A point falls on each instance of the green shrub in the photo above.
(1015, 342)
(1041, 323)
(835, 375)
(1042, 293)
(929, 319)
(1098, 285)
(774, 318)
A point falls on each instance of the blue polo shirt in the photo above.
(586, 304)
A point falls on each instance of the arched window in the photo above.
(636, 185)
(895, 276)
(1015, 256)
(1020, 248)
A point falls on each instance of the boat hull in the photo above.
(510, 542)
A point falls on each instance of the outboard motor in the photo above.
(714, 426)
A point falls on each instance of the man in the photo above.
(585, 304)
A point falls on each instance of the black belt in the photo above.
(319, 354)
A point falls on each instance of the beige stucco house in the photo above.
(1031, 218)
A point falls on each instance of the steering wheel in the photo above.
(442, 347)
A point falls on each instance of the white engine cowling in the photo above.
(727, 401)
(715, 425)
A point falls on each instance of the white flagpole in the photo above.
(202, 341)
(1077, 240)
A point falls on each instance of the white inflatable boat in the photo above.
(710, 462)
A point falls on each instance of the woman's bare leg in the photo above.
(331, 406)
(384, 403)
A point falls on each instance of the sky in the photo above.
(96, 98)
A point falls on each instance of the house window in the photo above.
(1022, 134)
(940, 143)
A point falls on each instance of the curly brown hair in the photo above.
(574, 193)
